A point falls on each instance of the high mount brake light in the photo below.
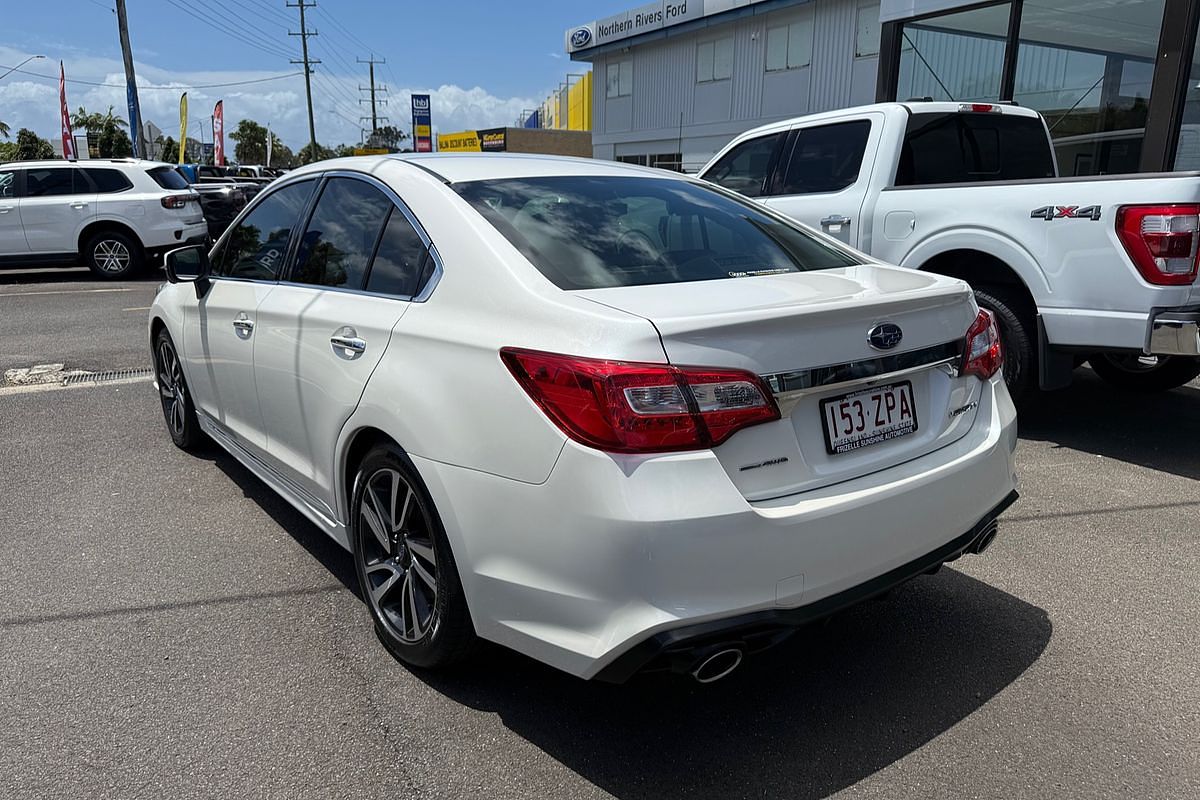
(1162, 241)
(982, 352)
(630, 407)
(979, 108)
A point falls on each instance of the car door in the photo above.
(55, 206)
(324, 329)
(822, 179)
(12, 236)
(220, 330)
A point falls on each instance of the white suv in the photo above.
(116, 215)
(611, 417)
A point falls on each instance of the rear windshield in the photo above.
(967, 147)
(594, 232)
(167, 178)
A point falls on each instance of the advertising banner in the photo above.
(422, 124)
(492, 140)
(219, 134)
(182, 126)
(135, 121)
(68, 141)
(460, 142)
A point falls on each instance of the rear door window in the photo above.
(108, 181)
(600, 231)
(257, 247)
(970, 147)
(168, 178)
(826, 158)
(341, 235)
(398, 263)
(54, 182)
(745, 168)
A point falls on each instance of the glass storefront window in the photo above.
(1087, 67)
(954, 56)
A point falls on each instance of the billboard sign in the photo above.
(492, 140)
(658, 15)
(422, 124)
(460, 142)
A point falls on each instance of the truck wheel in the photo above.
(113, 255)
(1017, 338)
(1137, 373)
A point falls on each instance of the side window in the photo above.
(341, 236)
(8, 184)
(53, 182)
(826, 158)
(108, 181)
(396, 269)
(744, 168)
(256, 248)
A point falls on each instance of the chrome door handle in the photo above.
(834, 219)
(5, 209)
(243, 326)
(347, 344)
(79, 205)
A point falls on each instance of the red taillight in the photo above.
(176, 200)
(626, 407)
(1162, 241)
(982, 353)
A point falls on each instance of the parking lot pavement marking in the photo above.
(63, 291)
(56, 387)
(137, 308)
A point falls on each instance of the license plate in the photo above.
(868, 416)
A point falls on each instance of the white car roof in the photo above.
(914, 106)
(93, 162)
(463, 167)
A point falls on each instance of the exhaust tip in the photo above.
(985, 538)
(717, 665)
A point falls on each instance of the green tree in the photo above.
(250, 144)
(388, 136)
(170, 150)
(8, 151)
(4, 129)
(106, 130)
(343, 150)
(31, 147)
(306, 155)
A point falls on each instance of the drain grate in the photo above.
(106, 376)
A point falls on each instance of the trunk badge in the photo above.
(885, 336)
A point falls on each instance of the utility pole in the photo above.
(307, 62)
(135, 109)
(371, 62)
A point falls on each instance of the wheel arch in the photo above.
(97, 226)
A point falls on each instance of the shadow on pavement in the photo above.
(1157, 431)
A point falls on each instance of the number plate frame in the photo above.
(878, 437)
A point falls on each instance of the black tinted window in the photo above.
(826, 158)
(341, 235)
(744, 168)
(108, 181)
(52, 182)
(257, 246)
(168, 178)
(397, 266)
(959, 148)
(592, 232)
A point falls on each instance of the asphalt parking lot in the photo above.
(170, 628)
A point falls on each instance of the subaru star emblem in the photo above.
(582, 37)
(885, 336)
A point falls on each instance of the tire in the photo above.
(1134, 372)
(178, 410)
(113, 255)
(1018, 337)
(405, 568)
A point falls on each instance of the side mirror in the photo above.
(189, 265)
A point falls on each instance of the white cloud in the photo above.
(28, 102)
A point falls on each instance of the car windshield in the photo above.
(599, 231)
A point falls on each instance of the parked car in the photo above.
(116, 215)
(208, 173)
(1096, 268)
(614, 418)
(254, 172)
(221, 200)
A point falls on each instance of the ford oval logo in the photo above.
(885, 336)
(581, 38)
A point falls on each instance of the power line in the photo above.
(156, 88)
(304, 36)
(230, 31)
(371, 62)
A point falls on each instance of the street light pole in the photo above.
(18, 66)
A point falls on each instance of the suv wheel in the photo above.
(1138, 373)
(113, 255)
(405, 568)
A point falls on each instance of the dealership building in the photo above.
(1117, 80)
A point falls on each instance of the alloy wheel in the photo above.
(171, 388)
(398, 556)
(111, 255)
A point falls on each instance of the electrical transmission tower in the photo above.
(307, 62)
(373, 89)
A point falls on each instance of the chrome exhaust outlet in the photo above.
(985, 538)
(717, 664)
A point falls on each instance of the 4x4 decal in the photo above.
(1051, 213)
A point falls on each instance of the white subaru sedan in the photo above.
(614, 418)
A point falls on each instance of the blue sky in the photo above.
(482, 61)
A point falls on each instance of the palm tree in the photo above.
(95, 122)
(4, 129)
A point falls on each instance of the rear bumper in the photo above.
(1175, 333)
(612, 553)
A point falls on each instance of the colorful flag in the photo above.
(219, 134)
(68, 141)
(270, 138)
(182, 126)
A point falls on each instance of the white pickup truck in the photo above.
(1100, 269)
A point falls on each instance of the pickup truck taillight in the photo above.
(983, 354)
(628, 407)
(176, 200)
(1163, 241)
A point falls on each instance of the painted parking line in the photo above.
(62, 291)
(137, 308)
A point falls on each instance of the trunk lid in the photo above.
(807, 335)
